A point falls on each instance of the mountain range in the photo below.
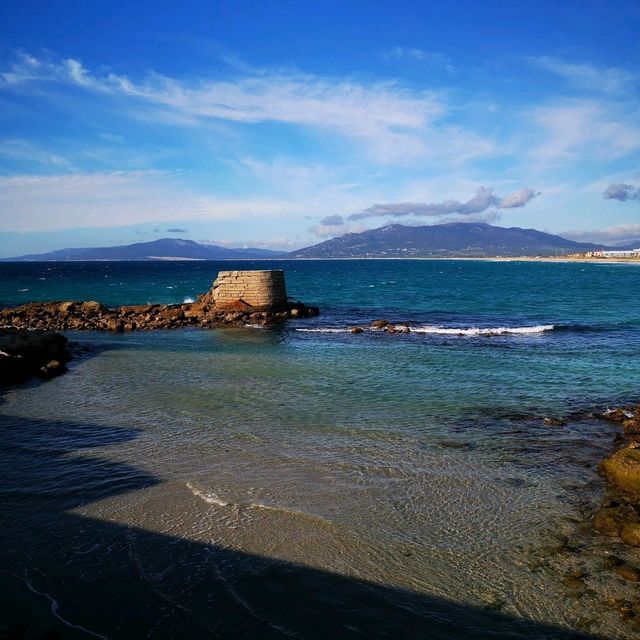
(391, 241)
(452, 239)
(163, 249)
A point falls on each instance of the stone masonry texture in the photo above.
(260, 289)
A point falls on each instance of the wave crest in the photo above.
(448, 331)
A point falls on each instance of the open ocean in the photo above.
(307, 482)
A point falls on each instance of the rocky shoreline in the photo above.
(619, 514)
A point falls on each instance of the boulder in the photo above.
(622, 470)
(28, 353)
(379, 324)
(115, 324)
(91, 307)
(610, 519)
(52, 368)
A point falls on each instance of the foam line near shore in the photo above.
(450, 331)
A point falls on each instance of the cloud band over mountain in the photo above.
(483, 200)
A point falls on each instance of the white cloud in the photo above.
(27, 152)
(277, 244)
(37, 203)
(334, 230)
(590, 129)
(391, 122)
(518, 198)
(615, 234)
(587, 76)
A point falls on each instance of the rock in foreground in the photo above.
(619, 515)
(24, 354)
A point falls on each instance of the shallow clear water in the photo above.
(415, 466)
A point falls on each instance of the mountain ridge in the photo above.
(472, 239)
(161, 249)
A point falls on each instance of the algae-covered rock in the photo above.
(630, 534)
(622, 469)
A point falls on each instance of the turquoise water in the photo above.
(415, 468)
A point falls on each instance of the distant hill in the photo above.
(163, 249)
(453, 239)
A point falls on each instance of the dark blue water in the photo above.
(169, 466)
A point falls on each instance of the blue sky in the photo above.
(280, 124)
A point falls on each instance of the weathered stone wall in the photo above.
(260, 289)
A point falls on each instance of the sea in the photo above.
(304, 481)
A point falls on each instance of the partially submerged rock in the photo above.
(24, 354)
(619, 515)
(622, 470)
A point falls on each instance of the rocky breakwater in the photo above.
(236, 298)
(93, 316)
(24, 354)
(619, 514)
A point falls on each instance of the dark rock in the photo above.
(29, 353)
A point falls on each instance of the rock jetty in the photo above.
(93, 316)
(236, 298)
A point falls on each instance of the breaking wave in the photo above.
(448, 331)
(483, 331)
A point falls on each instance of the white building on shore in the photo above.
(629, 253)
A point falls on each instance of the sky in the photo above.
(282, 124)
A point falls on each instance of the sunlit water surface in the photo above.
(420, 462)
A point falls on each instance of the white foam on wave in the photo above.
(188, 300)
(482, 331)
(209, 498)
(448, 331)
(214, 499)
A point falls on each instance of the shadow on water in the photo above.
(106, 579)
